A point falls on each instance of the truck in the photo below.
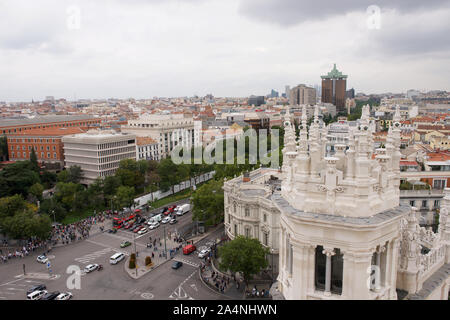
(154, 219)
(183, 209)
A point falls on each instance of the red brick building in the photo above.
(46, 143)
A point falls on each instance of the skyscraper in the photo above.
(302, 94)
(334, 86)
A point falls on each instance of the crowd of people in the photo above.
(31, 246)
(61, 234)
(65, 234)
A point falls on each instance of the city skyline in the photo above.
(233, 49)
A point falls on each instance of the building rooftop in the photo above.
(334, 74)
(49, 132)
(44, 119)
(143, 141)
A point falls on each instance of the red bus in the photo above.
(118, 222)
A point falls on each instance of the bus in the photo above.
(118, 222)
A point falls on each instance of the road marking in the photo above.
(194, 287)
(7, 293)
(92, 256)
(14, 289)
(180, 294)
(2, 298)
(147, 295)
(192, 264)
(106, 246)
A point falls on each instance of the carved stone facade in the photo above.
(342, 232)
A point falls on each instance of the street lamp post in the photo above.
(165, 248)
(54, 219)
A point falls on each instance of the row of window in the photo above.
(425, 203)
(112, 145)
(35, 148)
(32, 140)
(24, 155)
(248, 234)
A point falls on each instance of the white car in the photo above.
(166, 220)
(64, 296)
(204, 253)
(154, 225)
(143, 230)
(37, 295)
(42, 259)
(91, 267)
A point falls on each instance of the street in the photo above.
(113, 282)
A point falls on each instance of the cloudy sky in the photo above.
(146, 48)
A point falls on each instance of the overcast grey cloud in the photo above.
(146, 48)
(291, 12)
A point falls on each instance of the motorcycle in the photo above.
(100, 267)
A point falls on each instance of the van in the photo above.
(183, 209)
(36, 295)
(156, 218)
(116, 258)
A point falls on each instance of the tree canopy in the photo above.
(244, 255)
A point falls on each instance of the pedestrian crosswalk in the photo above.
(191, 263)
(92, 256)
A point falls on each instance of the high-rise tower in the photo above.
(334, 86)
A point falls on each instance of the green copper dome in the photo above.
(334, 74)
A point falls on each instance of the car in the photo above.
(173, 221)
(116, 258)
(125, 243)
(204, 253)
(143, 230)
(154, 225)
(64, 296)
(42, 259)
(38, 287)
(177, 264)
(50, 295)
(36, 295)
(138, 229)
(91, 267)
(112, 230)
(165, 220)
(129, 226)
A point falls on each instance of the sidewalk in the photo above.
(230, 290)
(157, 260)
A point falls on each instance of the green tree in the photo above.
(167, 170)
(17, 178)
(75, 174)
(33, 161)
(208, 203)
(4, 148)
(36, 191)
(244, 255)
(13, 204)
(124, 197)
(63, 176)
(66, 194)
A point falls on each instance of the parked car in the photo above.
(143, 230)
(204, 253)
(91, 267)
(38, 287)
(36, 295)
(177, 264)
(125, 243)
(42, 259)
(50, 295)
(173, 221)
(64, 296)
(165, 220)
(112, 231)
(137, 229)
(154, 225)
